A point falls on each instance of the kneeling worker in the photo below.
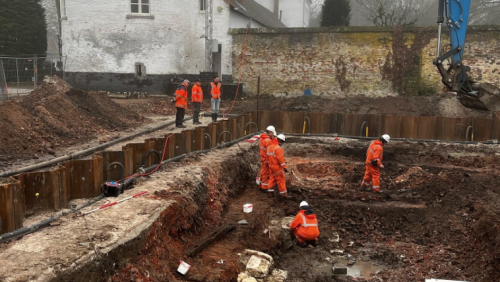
(374, 156)
(277, 167)
(305, 225)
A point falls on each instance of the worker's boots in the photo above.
(214, 117)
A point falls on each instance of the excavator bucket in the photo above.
(486, 99)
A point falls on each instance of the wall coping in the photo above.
(350, 29)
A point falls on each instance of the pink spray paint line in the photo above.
(117, 202)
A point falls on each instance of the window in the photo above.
(139, 6)
(203, 5)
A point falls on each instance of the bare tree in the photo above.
(396, 12)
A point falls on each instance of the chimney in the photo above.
(277, 8)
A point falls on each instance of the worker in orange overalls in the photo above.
(266, 140)
(305, 225)
(374, 156)
(215, 89)
(197, 99)
(277, 168)
(181, 103)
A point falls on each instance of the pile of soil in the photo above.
(56, 115)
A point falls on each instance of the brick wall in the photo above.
(291, 60)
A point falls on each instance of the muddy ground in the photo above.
(437, 218)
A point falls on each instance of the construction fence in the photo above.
(75, 179)
(21, 75)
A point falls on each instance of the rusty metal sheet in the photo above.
(294, 122)
(427, 128)
(222, 126)
(81, 180)
(277, 120)
(233, 127)
(375, 125)
(212, 132)
(320, 123)
(482, 129)
(461, 126)
(158, 144)
(265, 120)
(11, 205)
(199, 138)
(111, 157)
(170, 145)
(240, 126)
(139, 151)
(495, 127)
(349, 124)
(98, 163)
(392, 126)
(410, 126)
(180, 144)
(50, 187)
(188, 138)
(445, 128)
(333, 124)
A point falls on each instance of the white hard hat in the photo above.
(303, 203)
(272, 129)
(281, 137)
(386, 137)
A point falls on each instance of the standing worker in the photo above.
(181, 103)
(277, 168)
(374, 156)
(266, 140)
(305, 225)
(197, 99)
(215, 89)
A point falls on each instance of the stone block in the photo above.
(250, 279)
(258, 267)
(242, 276)
(339, 269)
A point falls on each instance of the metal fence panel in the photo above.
(23, 75)
(3, 84)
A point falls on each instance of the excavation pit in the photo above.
(436, 219)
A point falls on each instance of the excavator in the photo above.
(471, 94)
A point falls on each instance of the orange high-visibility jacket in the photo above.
(181, 97)
(215, 90)
(196, 94)
(276, 157)
(375, 152)
(264, 142)
(306, 225)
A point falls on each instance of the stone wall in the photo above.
(291, 60)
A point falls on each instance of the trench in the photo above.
(421, 227)
(435, 219)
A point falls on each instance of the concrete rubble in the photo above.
(259, 268)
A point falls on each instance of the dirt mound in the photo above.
(57, 115)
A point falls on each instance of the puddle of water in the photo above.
(364, 269)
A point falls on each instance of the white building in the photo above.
(138, 45)
(293, 13)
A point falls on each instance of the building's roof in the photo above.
(254, 10)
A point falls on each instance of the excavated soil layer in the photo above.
(437, 216)
(56, 115)
(435, 219)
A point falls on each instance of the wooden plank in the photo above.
(445, 128)
(461, 128)
(320, 123)
(180, 144)
(375, 125)
(212, 132)
(277, 120)
(265, 120)
(98, 162)
(188, 138)
(208, 240)
(333, 124)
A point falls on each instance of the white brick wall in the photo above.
(99, 37)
